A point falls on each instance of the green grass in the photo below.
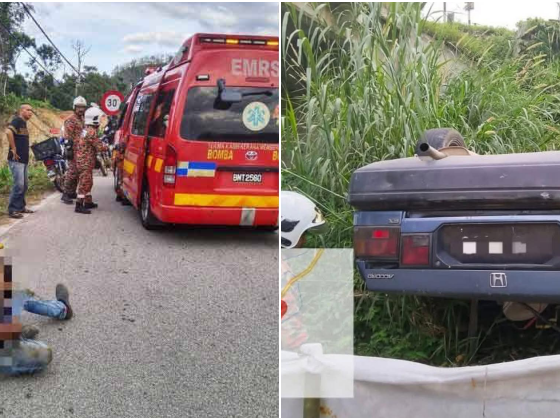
(11, 103)
(365, 90)
(475, 42)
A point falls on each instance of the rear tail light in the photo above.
(48, 162)
(376, 242)
(169, 167)
(415, 250)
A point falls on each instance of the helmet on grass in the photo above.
(298, 215)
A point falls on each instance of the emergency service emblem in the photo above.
(256, 116)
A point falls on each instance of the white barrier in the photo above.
(397, 388)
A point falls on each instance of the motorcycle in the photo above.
(51, 153)
(104, 162)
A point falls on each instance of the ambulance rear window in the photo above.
(254, 119)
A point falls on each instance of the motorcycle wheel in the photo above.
(59, 182)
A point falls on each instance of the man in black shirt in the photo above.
(18, 159)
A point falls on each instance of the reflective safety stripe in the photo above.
(159, 163)
(149, 163)
(201, 173)
(218, 200)
(128, 166)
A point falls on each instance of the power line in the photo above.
(85, 83)
(80, 76)
(66, 95)
(52, 43)
(27, 51)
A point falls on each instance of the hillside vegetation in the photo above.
(365, 90)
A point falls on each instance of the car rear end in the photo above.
(457, 232)
(221, 164)
(514, 257)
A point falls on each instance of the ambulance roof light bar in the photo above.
(233, 41)
(202, 41)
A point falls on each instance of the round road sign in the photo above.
(111, 102)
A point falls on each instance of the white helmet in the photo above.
(93, 116)
(80, 101)
(299, 214)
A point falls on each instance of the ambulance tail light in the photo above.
(376, 242)
(170, 167)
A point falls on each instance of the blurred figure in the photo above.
(25, 355)
(299, 218)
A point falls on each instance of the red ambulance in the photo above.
(199, 138)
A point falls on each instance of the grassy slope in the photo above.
(367, 94)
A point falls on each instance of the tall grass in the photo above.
(364, 90)
(474, 42)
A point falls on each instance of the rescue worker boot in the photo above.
(74, 195)
(63, 295)
(66, 199)
(90, 205)
(80, 208)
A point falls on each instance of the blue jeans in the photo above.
(19, 188)
(51, 308)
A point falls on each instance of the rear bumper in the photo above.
(218, 216)
(521, 286)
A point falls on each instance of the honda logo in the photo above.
(251, 155)
(498, 280)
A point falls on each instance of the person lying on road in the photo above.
(22, 353)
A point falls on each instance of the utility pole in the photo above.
(468, 7)
(444, 12)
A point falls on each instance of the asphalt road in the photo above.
(179, 322)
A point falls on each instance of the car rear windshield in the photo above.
(254, 119)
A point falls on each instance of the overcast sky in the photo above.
(498, 13)
(120, 32)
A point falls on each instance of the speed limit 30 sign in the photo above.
(111, 102)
